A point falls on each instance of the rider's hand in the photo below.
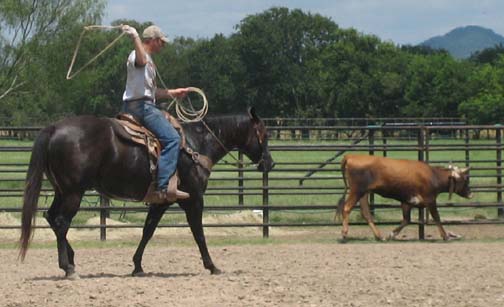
(132, 32)
(178, 92)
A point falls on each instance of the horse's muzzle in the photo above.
(265, 165)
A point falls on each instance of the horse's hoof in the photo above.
(72, 276)
(139, 273)
(215, 271)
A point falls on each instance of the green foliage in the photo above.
(489, 55)
(486, 105)
(284, 62)
(486, 108)
(28, 30)
(436, 85)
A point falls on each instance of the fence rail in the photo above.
(310, 171)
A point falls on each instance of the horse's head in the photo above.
(256, 145)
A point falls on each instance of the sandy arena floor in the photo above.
(304, 269)
(357, 274)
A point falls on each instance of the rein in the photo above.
(238, 162)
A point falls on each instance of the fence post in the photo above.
(498, 132)
(371, 140)
(384, 141)
(421, 157)
(466, 141)
(104, 214)
(265, 194)
(240, 178)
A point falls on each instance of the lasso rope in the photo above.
(183, 113)
(190, 115)
(77, 47)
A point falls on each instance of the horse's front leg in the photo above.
(194, 215)
(151, 222)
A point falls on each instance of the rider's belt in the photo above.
(144, 98)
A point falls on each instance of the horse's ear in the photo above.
(252, 113)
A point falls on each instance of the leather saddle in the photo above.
(134, 132)
(128, 128)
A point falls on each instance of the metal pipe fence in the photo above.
(304, 188)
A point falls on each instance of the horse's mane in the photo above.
(222, 121)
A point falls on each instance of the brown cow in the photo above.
(413, 183)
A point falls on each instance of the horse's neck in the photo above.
(219, 137)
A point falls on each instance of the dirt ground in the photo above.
(404, 274)
(298, 268)
(277, 274)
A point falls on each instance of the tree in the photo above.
(28, 30)
(488, 55)
(25, 26)
(486, 105)
(279, 50)
(436, 85)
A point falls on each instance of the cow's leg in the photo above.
(366, 214)
(406, 212)
(151, 222)
(435, 215)
(194, 215)
(347, 208)
(59, 216)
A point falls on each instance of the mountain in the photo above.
(463, 41)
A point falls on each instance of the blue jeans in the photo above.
(153, 119)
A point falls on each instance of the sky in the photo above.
(398, 21)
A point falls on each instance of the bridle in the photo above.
(227, 151)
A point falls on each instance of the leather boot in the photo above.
(172, 191)
(154, 196)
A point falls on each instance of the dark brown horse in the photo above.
(85, 152)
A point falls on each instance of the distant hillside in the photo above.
(462, 42)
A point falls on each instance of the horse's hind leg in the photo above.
(151, 222)
(194, 215)
(59, 216)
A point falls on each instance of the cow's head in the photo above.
(459, 181)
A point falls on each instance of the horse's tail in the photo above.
(33, 184)
(341, 202)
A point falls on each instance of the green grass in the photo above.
(293, 194)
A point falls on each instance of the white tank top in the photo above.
(141, 80)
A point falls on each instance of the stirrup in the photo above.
(172, 190)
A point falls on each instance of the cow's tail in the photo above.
(341, 202)
(33, 184)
